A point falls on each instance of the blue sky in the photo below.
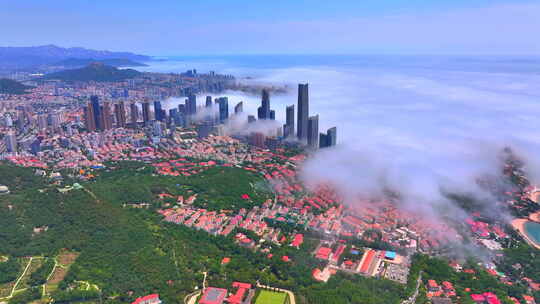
(183, 27)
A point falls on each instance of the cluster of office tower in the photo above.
(307, 130)
(98, 117)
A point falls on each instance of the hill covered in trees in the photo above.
(94, 72)
(114, 62)
(8, 86)
(128, 252)
(24, 57)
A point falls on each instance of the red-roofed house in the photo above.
(448, 289)
(514, 300)
(149, 299)
(485, 298)
(433, 286)
(240, 292)
(298, 240)
(323, 253)
(528, 299)
(478, 298)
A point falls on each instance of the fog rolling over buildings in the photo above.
(416, 125)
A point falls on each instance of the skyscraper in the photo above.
(157, 129)
(251, 118)
(177, 118)
(158, 111)
(303, 112)
(134, 112)
(313, 132)
(120, 114)
(89, 118)
(223, 109)
(239, 108)
(288, 128)
(96, 109)
(208, 101)
(263, 112)
(146, 112)
(11, 142)
(331, 137)
(106, 116)
(191, 105)
(182, 108)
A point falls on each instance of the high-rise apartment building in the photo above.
(146, 112)
(303, 112)
(223, 109)
(134, 113)
(239, 108)
(120, 114)
(313, 132)
(288, 127)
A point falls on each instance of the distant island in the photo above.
(81, 62)
(35, 56)
(8, 86)
(94, 72)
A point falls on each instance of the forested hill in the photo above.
(23, 57)
(94, 72)
(8, 86)
(129, 252)
(114, 62)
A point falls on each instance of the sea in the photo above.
(533, 231)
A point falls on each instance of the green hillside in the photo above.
(8, 86)
(129, 252)
(94, 72)
(114, 62)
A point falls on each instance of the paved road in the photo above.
(19, 279)
(192, 297)
(412, 299)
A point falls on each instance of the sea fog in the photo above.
(421, 125)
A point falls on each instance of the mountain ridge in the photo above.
(94, 72)
(81, 62)
(30, 56)
(9, 86)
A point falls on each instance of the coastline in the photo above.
(535, 217)
(519, 226)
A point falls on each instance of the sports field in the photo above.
(270, 297)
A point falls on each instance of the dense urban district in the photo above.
(107, 197)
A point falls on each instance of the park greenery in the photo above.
(39, 276)
(9, 270)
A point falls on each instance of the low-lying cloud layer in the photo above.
(415, 129)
